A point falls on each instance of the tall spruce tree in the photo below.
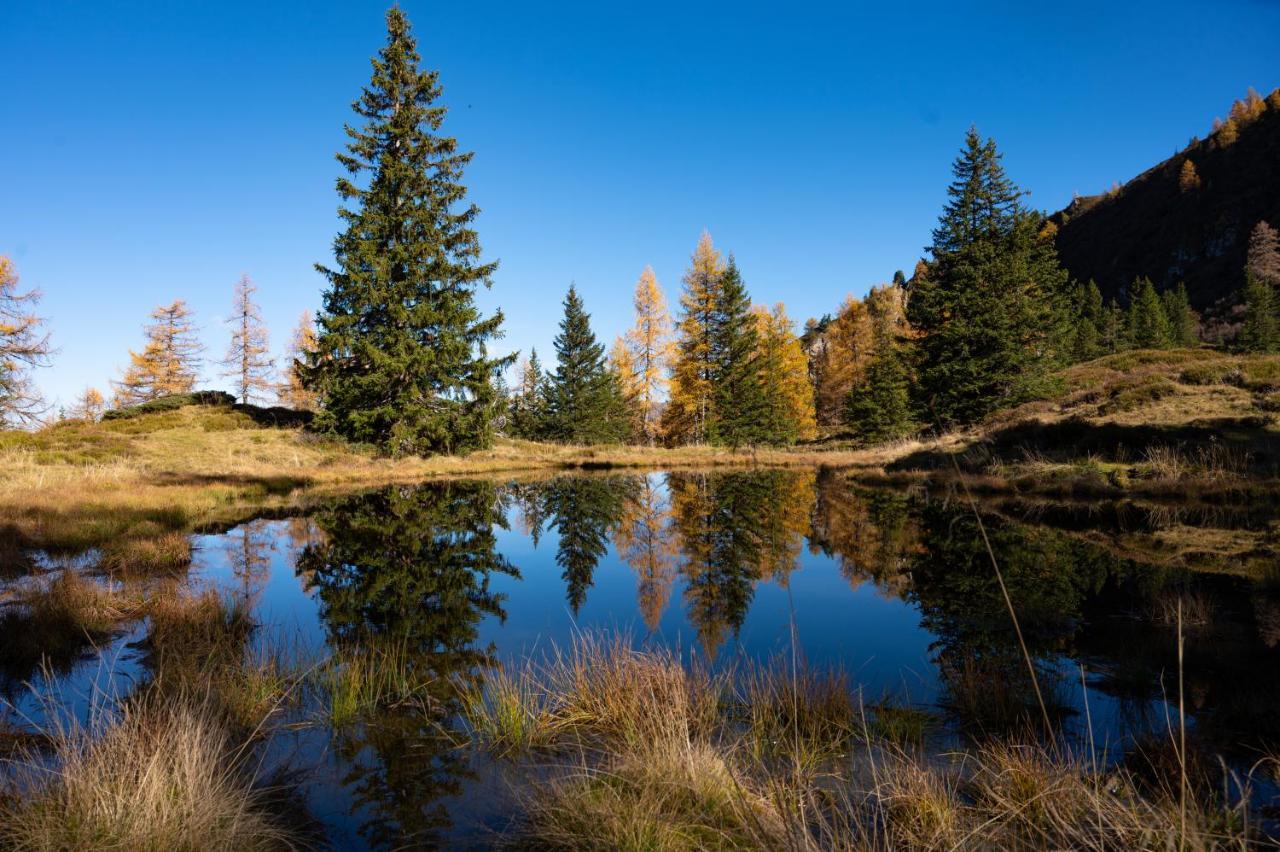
(1148, 325)
(1086, 340)
(1184, 324)
(401, 358)
(1261, 329)
(1113, 333)
(585, 403)
(988, 309)
(737, 402)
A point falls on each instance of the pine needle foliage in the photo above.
(585, 403)
(987, 309)
(401, 359)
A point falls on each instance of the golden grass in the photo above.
(667, 757)
(158, 778)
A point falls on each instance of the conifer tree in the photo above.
(842, 361)
(737, 405)
(878, 408)
(585, 404)
(1184, 324)
(249, 363)
(1261, 329)
(685, 417)
(787, 411)
(292, 391)
(401, 359)
(89, 406)
(1263, 259)
(988, 308)
(1148, 325)
(622, 367)
(170, 361)
(1087, 338)
(527, 417)
(1112, 333)
(1188, 177)
(649, 342)
(24, 345)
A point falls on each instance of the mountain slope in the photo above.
(1154, 227)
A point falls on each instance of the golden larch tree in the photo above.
(293, 394)
(649, 341)
(1188, 177)
(170, 361)
(844, 355)
(685, 418)
(248, 362)
(24, 345)
(788, 394)
(89, 405)
(623, 366)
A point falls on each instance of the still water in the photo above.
(894, 587)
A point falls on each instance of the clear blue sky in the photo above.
(155, 150)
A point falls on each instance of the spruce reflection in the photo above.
(583, 510)
(409, 568)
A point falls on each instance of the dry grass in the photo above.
(661, 760)
(158, 778)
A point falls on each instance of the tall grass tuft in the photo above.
(157, 777)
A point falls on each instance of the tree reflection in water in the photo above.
(410, 568)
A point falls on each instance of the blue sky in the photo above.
(156, 150)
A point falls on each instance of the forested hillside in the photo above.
(1187, 219)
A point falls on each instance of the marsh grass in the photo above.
(697, 765)
(353, 684)
(154, 776)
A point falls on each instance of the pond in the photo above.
(894, 587)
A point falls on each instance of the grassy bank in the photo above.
(1148, 423)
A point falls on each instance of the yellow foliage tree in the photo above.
(649, 342)
(292, 393)
(23, 345)
(844, 356)
(685, 418)
(249, 363)
(784, 371)
(169, 362)
(89, 406)
(624, 368)
(1188, 177)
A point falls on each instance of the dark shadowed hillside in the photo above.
(1174, 223)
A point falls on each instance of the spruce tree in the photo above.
(1086, 342)
(988, 308)
(1148, 325)
(585, 403)
(1183, 322)
(401, 359)
(1113, 334)
(737, 402)
(527, 416)
(1261, 329)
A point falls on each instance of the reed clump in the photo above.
(157, 776)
